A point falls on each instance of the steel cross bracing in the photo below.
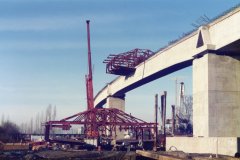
(102, 121)
(125, 63)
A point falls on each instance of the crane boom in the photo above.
(89, 81)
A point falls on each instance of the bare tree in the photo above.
(54, 113)
(185, 116)
(31, 126)
(22, 128)
(188, 104)
(42, 121)
(25, 128)
(37, 123)
(9, 132)
(8, 119)
(48, 113)
(2, 120)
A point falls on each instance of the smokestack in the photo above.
(181, 99)
(182, 88)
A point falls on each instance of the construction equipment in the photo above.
(125, 63)
(103, 121)
(89, 81)
(14, 146)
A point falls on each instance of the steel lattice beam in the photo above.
(125, 63)
(98, 120)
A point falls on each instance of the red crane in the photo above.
(88, 77)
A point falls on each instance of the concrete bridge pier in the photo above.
(119, 103)
(216, 107)
(216, 96)
(116, 102)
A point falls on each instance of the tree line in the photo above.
(35, 124)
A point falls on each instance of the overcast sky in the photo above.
(43, 49)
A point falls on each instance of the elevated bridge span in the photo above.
(222, 36)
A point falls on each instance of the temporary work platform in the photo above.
(102, 121)
(125, 63)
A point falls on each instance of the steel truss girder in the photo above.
(98, 121)
(125, 63)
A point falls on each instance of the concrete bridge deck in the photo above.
(222, 36)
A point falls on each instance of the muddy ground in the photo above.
(73, 155)
(104, 155)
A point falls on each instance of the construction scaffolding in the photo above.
(105, 121)
(102, 121)
(125, 63)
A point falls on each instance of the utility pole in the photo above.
(156, 123)
(173, 119)
(163, 106)
(176, 92)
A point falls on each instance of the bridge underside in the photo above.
(162, 73)
(232, 49)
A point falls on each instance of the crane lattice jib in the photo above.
(125, 63)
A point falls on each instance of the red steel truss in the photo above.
(101, 121)
(125, 63)
(106, 121)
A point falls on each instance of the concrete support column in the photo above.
(119, 103)
(116, 102)
(216, 96)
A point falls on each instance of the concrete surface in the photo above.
(216, 96)
(156, 155)
(119, 103)
(221, 145)
(178, 55)
(91, 141)
(114, 102)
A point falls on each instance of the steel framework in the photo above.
(104, 121)
(101, 121)
(125, 63)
